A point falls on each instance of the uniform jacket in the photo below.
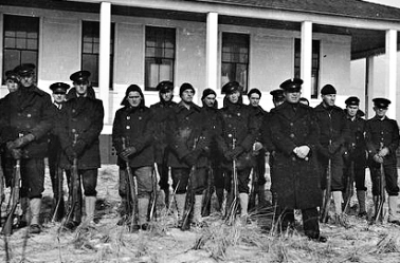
(356, 146)
(210, 114)
(187, 132)
(54, 142)
(135, 124)
(384, 131)
(29, 110)
(333, 126)
(161, 111)
(296, 181)
(84, 117)
(237, 121)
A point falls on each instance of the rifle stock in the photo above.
(231, 213)
(132, 201)
(14, 200)
(154, 179)
(381, 200)
(75, 185)
(349, 187)
(327, 198)
(189, 201)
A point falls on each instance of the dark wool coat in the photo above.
(333, 127)
(356, 146)
(29, 110)
(160, 112)
(187, 132)
(296, 181)
(83, 116)
(236, 120)
(136, 125)
(384, 131)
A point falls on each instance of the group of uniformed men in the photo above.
(200, 148)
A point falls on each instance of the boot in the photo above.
(180, 205)
(35, 204)
(90, 205)
(361, 203)
(337, 201)
(220, 196)
(197, 218)
(393, 209)
(262, 198)
(123, 211)
(244, 204)
(143, 206)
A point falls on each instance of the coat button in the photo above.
(128, 117)
(73, 110)
(73, 131)
(29, 115)
(140, 118)
(292, 135)
(291, 124)
(128, 127)
(293, 159)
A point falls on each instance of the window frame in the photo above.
(96, 26)
(30, 21)
(316, 64)
(237, 39)
(160, 46)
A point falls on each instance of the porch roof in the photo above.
(365, 41)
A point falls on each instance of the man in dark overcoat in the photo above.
(334, 132)
(133, 123)
(59, 90)
(30, 116)
(355, 154)
(294, 134)
(382, 138)
(161, 110)
(235, 136)
(258, 148)
(79, 131)
(189, 143)
(215, 179)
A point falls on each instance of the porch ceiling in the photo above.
(364, 42)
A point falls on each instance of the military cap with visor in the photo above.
(81, 76)
(352, 101)
(12, 75)
(277, 94)
(381, 103)
(292, 85)
(59, 87)
(26, 69)
(165, 86)
(231, 87)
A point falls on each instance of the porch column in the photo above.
(391, 71)
(104, 57)
(369, 86)
(306, 57)
(212, 51)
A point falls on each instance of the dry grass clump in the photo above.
(388, 243)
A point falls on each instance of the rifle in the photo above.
(132, 199)
(189, 201)
(208, 193)
(74, 201)
(254, 185)
(231, 213)
(2, 195)
(59, 180)
(154, 179)
(327, 198)
(349, 187)
(14, 201)
(381, 197)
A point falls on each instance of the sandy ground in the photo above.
(218, 242)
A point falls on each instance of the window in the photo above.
(160, 56)
(315, 64)
(91, 50)
(21, 41)
(235, 59)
